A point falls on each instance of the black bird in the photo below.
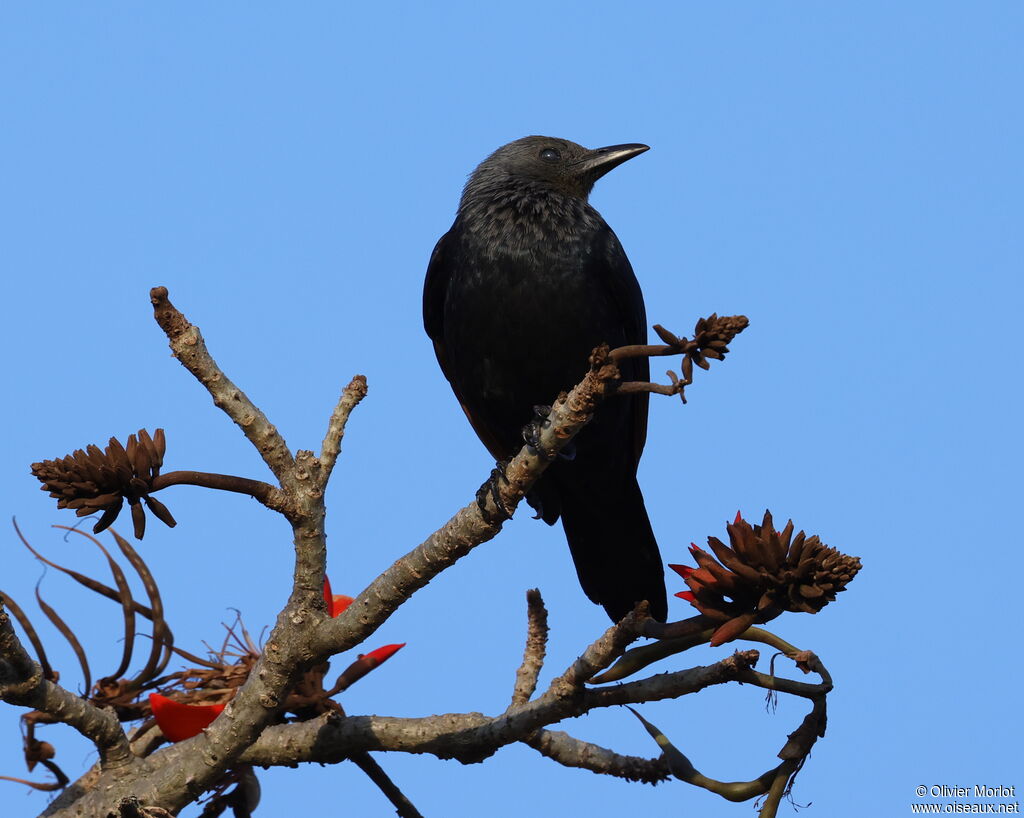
(528, 280)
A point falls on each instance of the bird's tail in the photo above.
(612, 544)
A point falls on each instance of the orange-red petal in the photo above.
(179, 721)
(381, 655)
(339, 602)
(336, 603)
(687, 595)
(683, 570)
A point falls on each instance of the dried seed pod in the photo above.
(101, 480)
(668, 337)
(764, 573)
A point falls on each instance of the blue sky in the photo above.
(847, 175)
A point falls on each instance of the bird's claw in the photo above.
(533, 430)
(492, 489)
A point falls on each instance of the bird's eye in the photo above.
(550, 155)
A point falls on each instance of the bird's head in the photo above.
(562, 165)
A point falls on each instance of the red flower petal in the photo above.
(339, 602)
(683, 570)
(336, 603)
(381, 655)
(739, 518)
(688, 596)
(179, 721)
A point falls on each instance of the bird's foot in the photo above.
(533, 430)
(492, 489)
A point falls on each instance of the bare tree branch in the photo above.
(783, 773)
(780, 685)
(474, 524)
(403, 806)
(636, 659)
(351, 395)
(176, 774)
(471, 737)
(22, 683)
(536, 645)
(572, 752)
(678, 683)
(188, 346)
(133, 808)
(272, 497)
(160, 781)
(602, 652)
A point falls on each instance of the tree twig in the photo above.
(271, 496)
(188, 346)
(351, 395)
(471, 526)
(403, 806)
(602, 652)
(536, 645)
(572, 752)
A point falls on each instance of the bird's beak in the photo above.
(598, 162)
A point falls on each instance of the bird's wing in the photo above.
(610, 265)
(434, 289)
(435, 292)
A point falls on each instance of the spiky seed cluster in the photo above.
(762, 574)
(94, 481)
(711, 339)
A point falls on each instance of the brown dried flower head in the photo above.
(762, 574)
(711, 339)
(94, 481)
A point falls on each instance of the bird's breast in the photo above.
(520, 323)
